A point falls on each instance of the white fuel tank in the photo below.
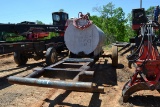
(87, 40)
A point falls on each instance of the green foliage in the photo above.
(150, 10)
(10, 37)
(61, 10)
(157, 32)
(113, 22)
(51, 35)
(129, 19)
(18, 38)
(13, 37)
(39, 22)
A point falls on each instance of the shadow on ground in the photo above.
(3, 80)
(145, 101)
(59, 100)
(105, 74)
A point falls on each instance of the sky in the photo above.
(15, 11)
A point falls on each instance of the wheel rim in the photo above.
(54, 57)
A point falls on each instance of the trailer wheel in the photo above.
(114, 55)
(20, 59)
(51, 56)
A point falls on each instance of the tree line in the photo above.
(113, 22)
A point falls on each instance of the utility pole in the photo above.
(140, 3)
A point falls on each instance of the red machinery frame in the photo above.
(147, 73)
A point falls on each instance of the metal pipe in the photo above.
(36, 73)
(67, 85)
(140, 3)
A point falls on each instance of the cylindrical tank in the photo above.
(88, 40)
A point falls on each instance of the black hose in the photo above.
(149, 49)
(137, 51)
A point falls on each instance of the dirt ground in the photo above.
(113, 80)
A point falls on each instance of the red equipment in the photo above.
(35, 33)
(144, 55)
(147, 62)
(82, 17)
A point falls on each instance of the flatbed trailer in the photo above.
(33, 46)
(38, 49)
(75, 74)
(69, 74)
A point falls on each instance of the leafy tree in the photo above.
(39, 22)
(111, 21)
(129, 19)
(105, 11)
(61, 10)
(150, 10)
(129, 31)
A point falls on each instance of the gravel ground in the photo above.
(113, 80)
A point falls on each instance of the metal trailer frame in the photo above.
(28, 45)
(74, 74)
(33, 49)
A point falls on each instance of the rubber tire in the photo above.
(19, 58)
(114, 55)
(51, 56)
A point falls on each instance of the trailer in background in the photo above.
(42, 49)
(37, 42)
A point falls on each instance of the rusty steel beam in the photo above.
(67, 85)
